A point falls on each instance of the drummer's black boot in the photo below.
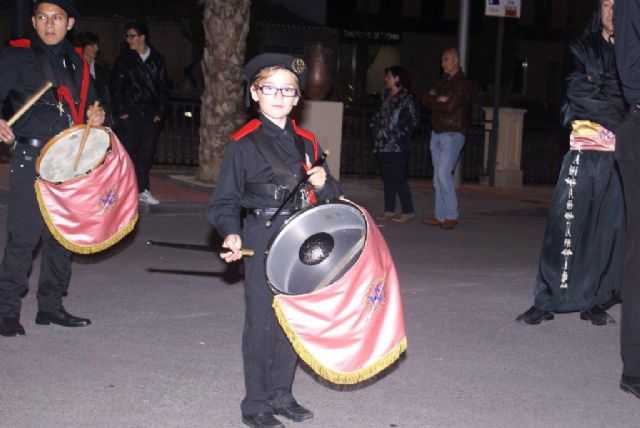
(61, 317)
(10, 327)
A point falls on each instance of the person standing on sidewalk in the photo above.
(89, 42)
(24, 67)
(627, 23)
(449, 101)
(580, 266)
(140, 94)
(263, 157)
(392, 127)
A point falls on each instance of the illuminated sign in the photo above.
(503, 8)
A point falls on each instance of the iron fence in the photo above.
(179, 139)
(543, 147)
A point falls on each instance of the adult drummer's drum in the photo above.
(91, 207)
(56, 162)
(315, 247)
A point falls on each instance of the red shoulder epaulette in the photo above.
(20, 43)
(308, 135)
(247, 129)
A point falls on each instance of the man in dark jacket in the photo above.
(449, 102)
(580, 267)
(140, 98)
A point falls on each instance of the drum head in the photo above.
(57, 158)
(315, 247)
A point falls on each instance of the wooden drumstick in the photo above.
(83, 141)
(247, 252)
(26, 106)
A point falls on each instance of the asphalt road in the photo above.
(164, 347)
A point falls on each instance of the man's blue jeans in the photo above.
(445, 148)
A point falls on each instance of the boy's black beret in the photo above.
(295, 65)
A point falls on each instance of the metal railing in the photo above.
(543, 147)
(179, 139)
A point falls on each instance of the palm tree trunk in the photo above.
(226, 25)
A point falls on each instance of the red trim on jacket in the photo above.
(246, 129)
(309, 136)
(314, 143)
(20, 43)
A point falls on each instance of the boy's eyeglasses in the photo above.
(272, 90)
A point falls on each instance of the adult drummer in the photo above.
(24, 67)
(264, 155)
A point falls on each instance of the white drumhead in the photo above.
(57, 159)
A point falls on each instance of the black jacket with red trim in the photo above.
(243, 163)
(21, 75)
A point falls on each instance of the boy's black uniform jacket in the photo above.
(243, 163)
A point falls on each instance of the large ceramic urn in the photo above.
(319, 59)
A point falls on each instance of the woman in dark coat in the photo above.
(392, 127)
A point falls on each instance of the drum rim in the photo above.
(62, 134)
(290, 219)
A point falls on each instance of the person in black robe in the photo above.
(627, 22)
(580, 266)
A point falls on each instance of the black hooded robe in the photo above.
(594, 266)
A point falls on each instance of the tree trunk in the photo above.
(226, 24)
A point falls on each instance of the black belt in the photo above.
(268, 212)
(275, 191)
(33, 142)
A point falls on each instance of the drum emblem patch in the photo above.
(376, 295)
(108, 200)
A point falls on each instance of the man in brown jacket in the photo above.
(449, 102)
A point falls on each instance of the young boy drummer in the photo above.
(263, 157)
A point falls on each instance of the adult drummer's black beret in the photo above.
(67, 5)
(295, 65)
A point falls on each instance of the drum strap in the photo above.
(48, 70)
(266, 149)
(62, 87)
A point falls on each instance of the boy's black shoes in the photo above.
(262, 420)
(294, 412)
(10, 327)
(534, 316)
(630, 385)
